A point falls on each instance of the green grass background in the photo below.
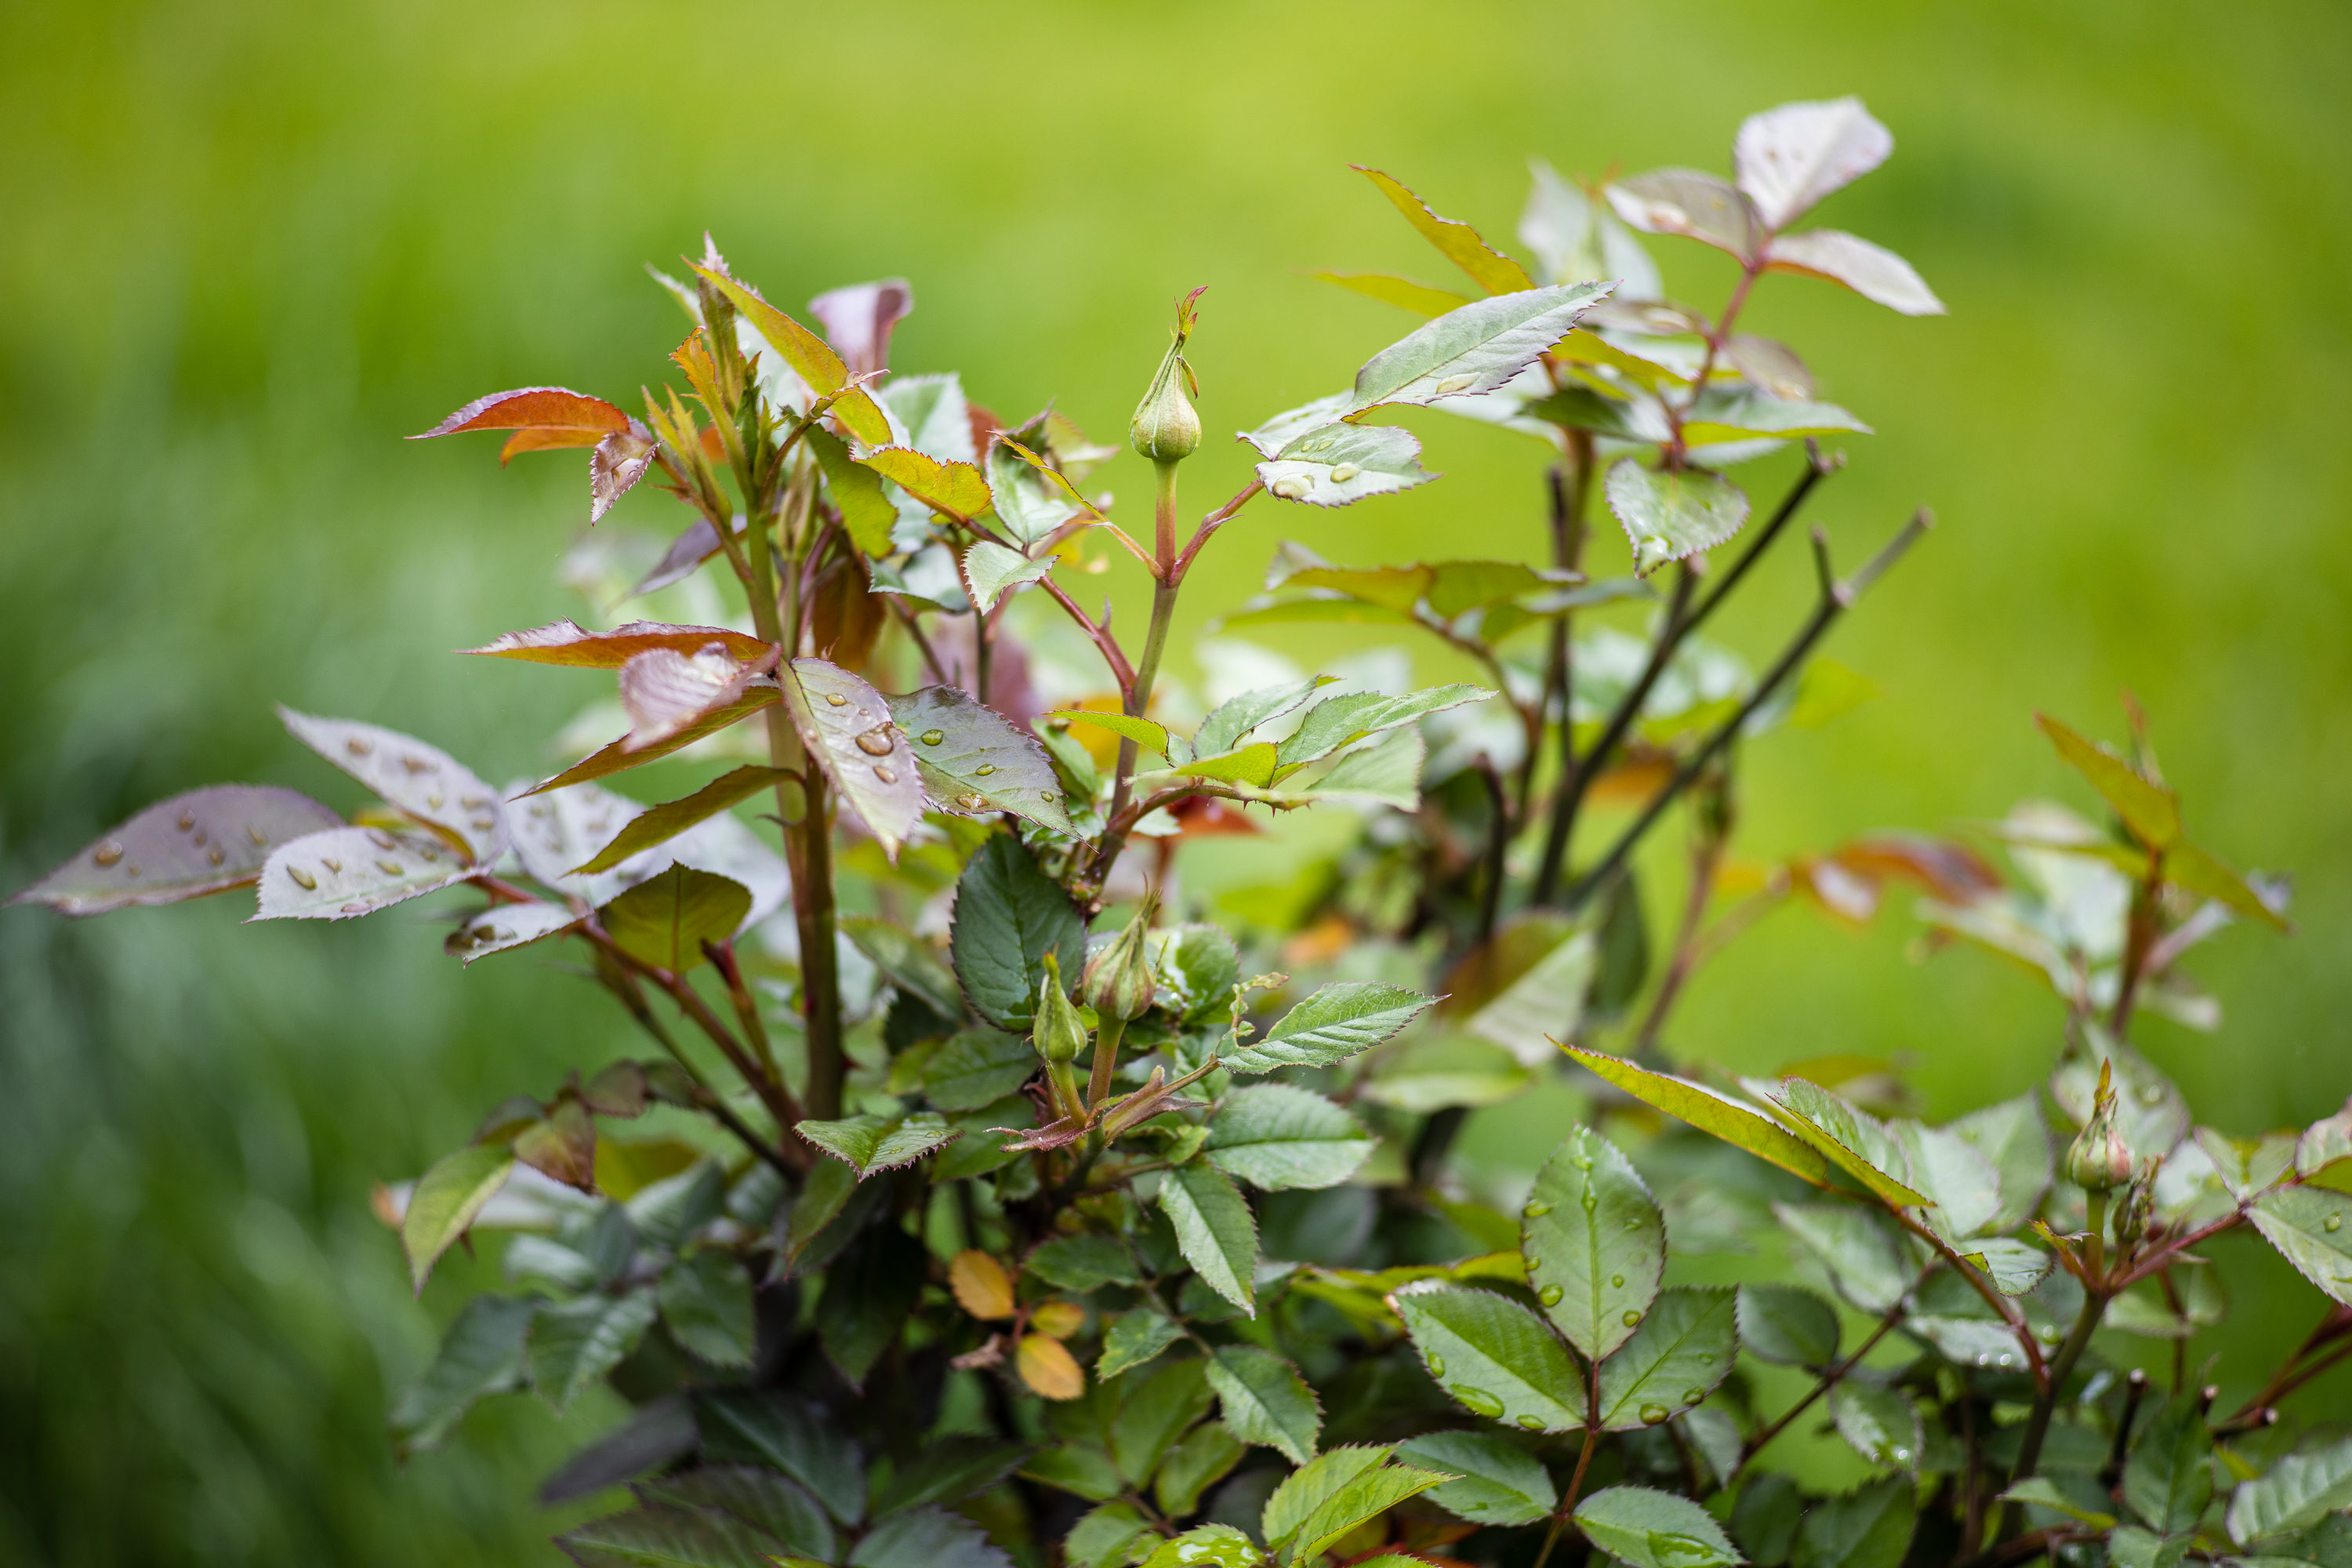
(245, 246)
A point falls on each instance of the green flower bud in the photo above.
(1059, 1033)
(1119, 980)
(2100, 1158)
(1165, 428)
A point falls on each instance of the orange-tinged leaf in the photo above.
(862, 416)
(980, 1284)
(665, 691)
(1495, 273)
(561, 1146)
(566, 642)
(809, 355)
(1049, 1369)
(532, 408)
(660, 824)
(957, 488)
(549, 438)
(1058, 1318)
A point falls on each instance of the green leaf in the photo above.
(446, 1199)
(1153, 1412)
(1142, 731)
(1854, 1247)
(952, 486)
(345, 872)
(1495, 1357)
(1334, 1023)
(2014, 1267)
(1878, 1423)
(665, 921)
(1385, 773)
(1471, 350)
(1869, 1528)
(1134, 1337)
(1421, 299)
(1496, 1482)
(1306, 1488)
(574, 1343)
(481, 1353)
(758, 1497)
(2044, 1493)
(1576, 237)
(865, 512)
(1235, 717)
(659, 824)
(1651, 1529)
(810, 359)
(977, 1066)
(1266, 1402)
(1366, 1494)
(2150, 811)
(869, 1291)
(1276, 1136)
(667, 1536)
(1033, 500)
(845, 724)
(822, 1198)
(1787, 1324)
(871, 1143)
(1456, 240)
(1214, 1228)
(1545, 1002)
(1101, 1539)
(783, 1431)
(1681, 1351)
(1594, 1242)
(2298, 1491)
(2327, 1141)
(1008, 916)
(2307, 1225)
(1342, 721)
(973, 760)
(706, 1300)
(2132, 1547)
(1723, 416)
(1669, 516)
(1873, 272)
(2186, 866)
(622, 755)
(1789, 158)
(927, 1538)
(1083, 1263)
(911, 964)
(1433, 1072)
(1710, 1112)
(2012, 1136)
(421, 781)
(1853, 1140)
(1206, 1456)
(1292, 422)
(1206, 1546)
(2168, 1479)
(990, 571)
(204, 841)
(1959, 1181)
(1765, 1519)
(1340, 464)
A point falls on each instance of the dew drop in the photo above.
(1632, 1317)
(2151, 1094)
(1476, 1400)
(432, 802)
(1288, 490)
(1653, 1413)
(1532, 1423)
(982, 770)
(331, 863)
(484, 824)
(358, 907)
(933, 737)
(302, 878)
(875, 743)
(1550, 1295)
(1342, 474)
(200, 839)
(360, 745)
(885, 775)
(475, 802)
(1634, 1224)
(255, 834)
(389, 867)
(836, 698)
(1693, 1395)
(1536, 1208)
(215, 855)
(1706, 1358)
(2003, 1359)
(1454, 383)
(1436, 1365)
(379, 837)
(187, 822)
(972, 802)
(107, 853)
(1617, 1280)
(2334, 1222)
(1584, 1161)
(1902, 1456)
(420, 765)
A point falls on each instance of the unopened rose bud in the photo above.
(1165, 428)
(2100, 1158)
(1059, 1034)
(1119, 980)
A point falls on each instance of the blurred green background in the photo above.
(248, 244)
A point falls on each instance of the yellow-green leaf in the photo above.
(1456, 240)
(1710, 1112)
(446, 1200)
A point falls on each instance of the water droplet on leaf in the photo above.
(875, 743)
(836, 698)
(1617, 1280)
(1532, 1423)
(1536, 1208)
(107, 853)
(1344, 472)
(1476, 1400)
(933, 737)
(2334, 1222)
(1632, 1317)
(1436, 1364)
(982, 770)
(1653, 1413)
(1550, 1295)
(302, 878)
(885, 775)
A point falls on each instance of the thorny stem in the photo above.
(1836, 597)
(747, 1007)
(1830, 1377)
(2295, 1373)
(2001, 1305)
(623, 985)
(1099, 1080)
(1716, 337)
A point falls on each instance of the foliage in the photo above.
(966, 1236)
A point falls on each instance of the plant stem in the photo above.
(1570, 492)
(1099, 1080)
(1583, 1462)
(2037, 1425)
(1498, 845)
(1835, 599)
(2140, 932)
(1706, 858)
(1155, 643)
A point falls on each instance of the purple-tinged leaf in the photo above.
(1872, 271)
(205, 841)
(973, 760)
(667, 693)
(565, 642)
(422, 780)
(858, 319)
(690, 549)
(547, 408)
(1692, 203)
(847, 727)
(346, 872)
(1576, 238)
(561, 1146)
(504, 926)
(1343, 463)
(1770, 365)
(616, 465)
(1789, 158)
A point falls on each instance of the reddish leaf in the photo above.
(566, 642)
(1952, 872)
(618, 1090)
(420, 780)
(346, 872)
(546, 439)
(690, 549)
(532, 408)
(807, 354)
(858, 319)
(202, 842)
(622, 755)
(619, 461)
(847, 727)
(665, 691)
(563, 1146)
